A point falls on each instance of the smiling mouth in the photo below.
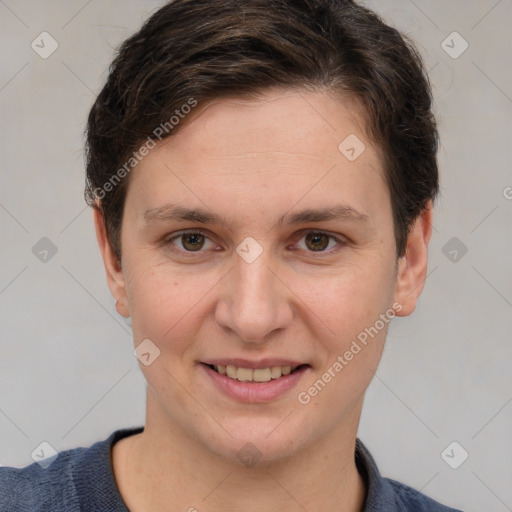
(254, 375)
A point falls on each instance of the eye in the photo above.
(195, 241)
(319, 241)
(190, 241)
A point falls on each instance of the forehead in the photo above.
(277, 121)
(287, 145)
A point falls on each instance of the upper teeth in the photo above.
(250, 375)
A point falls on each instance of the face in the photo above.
(250, 241)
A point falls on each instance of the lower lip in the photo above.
(256, 392)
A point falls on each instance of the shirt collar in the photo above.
(379, 493)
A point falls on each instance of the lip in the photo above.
(255, 392)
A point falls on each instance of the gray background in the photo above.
(67, 372)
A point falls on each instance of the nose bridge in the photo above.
(257, 302)
(254, 283)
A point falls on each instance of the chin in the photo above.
(259, 442)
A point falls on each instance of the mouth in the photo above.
(257, 375)
(254, 381)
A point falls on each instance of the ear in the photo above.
(412, 267)
(115, 276)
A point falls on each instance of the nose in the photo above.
(255, 302)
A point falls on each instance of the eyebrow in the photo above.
(172, 212)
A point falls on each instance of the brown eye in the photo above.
(321, 242)
(188, 242)
(317, 241)
(192, 241)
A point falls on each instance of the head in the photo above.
(301, 135)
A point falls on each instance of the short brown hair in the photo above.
(207, 49)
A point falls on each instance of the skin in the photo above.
(253, 161)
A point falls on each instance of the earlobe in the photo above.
(114, 272)
(412, 267)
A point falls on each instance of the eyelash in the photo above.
(168, 241)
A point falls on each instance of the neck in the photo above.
(165, 469)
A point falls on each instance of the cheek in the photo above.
(167, 305)
(347, 302)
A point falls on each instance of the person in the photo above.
(262, 176)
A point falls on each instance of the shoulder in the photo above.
(409, 499)
(387, 495)
(34, 488)
(75, 477)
